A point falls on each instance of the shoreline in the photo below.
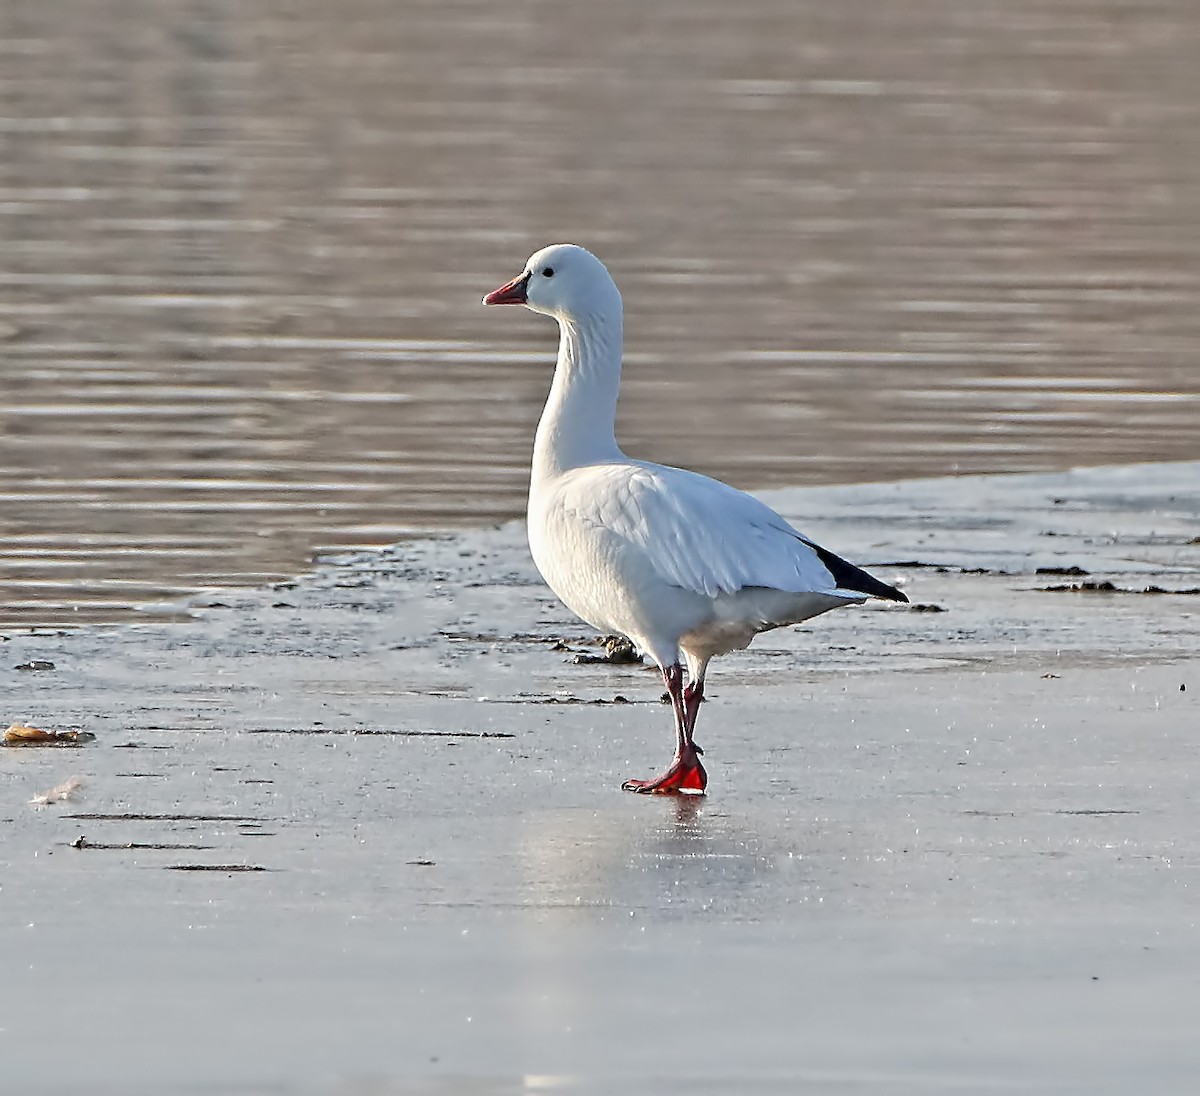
(174, 607)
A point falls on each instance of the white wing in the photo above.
(698, 533)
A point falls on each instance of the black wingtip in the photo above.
(849, 577)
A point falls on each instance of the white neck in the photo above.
(578, 422)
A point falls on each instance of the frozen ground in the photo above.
(949, 851)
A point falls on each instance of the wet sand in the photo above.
(944, 851)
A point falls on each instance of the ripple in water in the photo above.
(242, 258)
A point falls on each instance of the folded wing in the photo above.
(705, 536)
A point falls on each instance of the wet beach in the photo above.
(364, 830)
(350, 823)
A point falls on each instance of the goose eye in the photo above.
(548, 272)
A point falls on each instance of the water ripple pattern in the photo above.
(241, 254)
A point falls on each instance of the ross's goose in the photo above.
(685, 566)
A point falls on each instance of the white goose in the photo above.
(684, 566)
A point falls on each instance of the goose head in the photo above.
(564, 281)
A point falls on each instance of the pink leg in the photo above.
(685, 772)
(692, 696)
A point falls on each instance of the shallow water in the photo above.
(241, 258)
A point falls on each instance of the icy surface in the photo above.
(943, 850)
